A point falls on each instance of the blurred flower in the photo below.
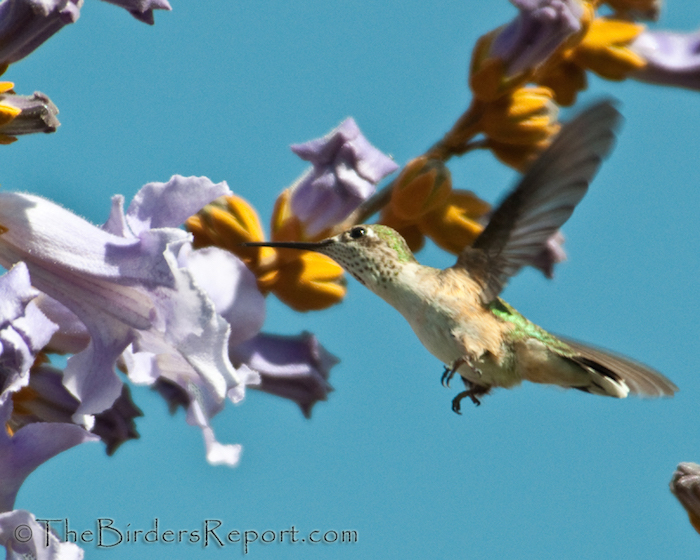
(25, 114)
(423, 185)
(293, 367)
(346, 169)
(521, 124)
(672, 59)
(636, 9)
(606, 49)
(505, 58)
(26, 24)
(524, 117)
(24, 537)
(685, 485)
(457, 223)
(142, 10)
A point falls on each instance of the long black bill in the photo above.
(289, 244)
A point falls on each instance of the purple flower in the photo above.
(29, 447)
(536, 32)
(26, 24)
(24, 537)
(673, 59)
(126, 288)
(24, 330)
(346, 169)
(142, 10)
(293, 367)
(47, 400)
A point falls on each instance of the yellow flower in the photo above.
(605, 49)
(454, 225)
(517, 156)
(423, 185)
(309, 282)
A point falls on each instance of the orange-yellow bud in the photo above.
(423, 185)
(227, 222)
(605, 49)
(525, 117)
(636, 9)
(564, 77)
(311, 281)
(455, 224)
(487, 75)
(515, 156)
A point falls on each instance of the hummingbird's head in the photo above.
(373, 254)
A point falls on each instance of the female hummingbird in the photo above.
(456, 312)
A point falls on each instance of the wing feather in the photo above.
(544, 198)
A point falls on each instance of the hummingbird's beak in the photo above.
(290, 244)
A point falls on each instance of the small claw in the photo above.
(449, 372)
(446, 377)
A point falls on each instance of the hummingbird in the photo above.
(457, 313)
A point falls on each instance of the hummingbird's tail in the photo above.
(616, 376)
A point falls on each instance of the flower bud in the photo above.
(606, 51)
(310, 282)
(524, 117)
(227, 222)
(456, 224)
(636, 9)
(25, 114)
(423, 185)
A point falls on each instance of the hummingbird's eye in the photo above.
(357, 232)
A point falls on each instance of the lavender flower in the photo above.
(293, 367)
(142, 10)
(126, 289)
(26, 24)
(29, 447)
(536, 32)
(346, 169)
(673, 59)
(24, 537)
(24, 330)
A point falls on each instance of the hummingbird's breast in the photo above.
(444, 310)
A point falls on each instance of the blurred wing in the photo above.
(543, 200)
(641, 380)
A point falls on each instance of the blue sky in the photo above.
(221, 89)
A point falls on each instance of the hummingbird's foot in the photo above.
(472, 393)
(448, 374)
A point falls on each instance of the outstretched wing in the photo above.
(640, 379)
(543, 200)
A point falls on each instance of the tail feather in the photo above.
(616, 375)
